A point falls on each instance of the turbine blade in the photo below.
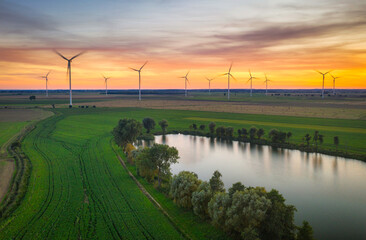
(143, 65)
(60, 55)
(77, 55)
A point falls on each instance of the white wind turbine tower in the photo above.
(139, 71)
(323, 80)
(228, 81)
(106, 84)
(46, 77)
(185, 83)
(266, 81)
(209, 84)
(334, 78)
(69, 71)
(251, 83)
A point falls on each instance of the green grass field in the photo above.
(78, 188)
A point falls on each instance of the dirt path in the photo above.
(6, 172)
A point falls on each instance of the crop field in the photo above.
(78, 189)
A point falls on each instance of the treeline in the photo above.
(243, 212)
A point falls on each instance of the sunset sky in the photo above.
(287, 39)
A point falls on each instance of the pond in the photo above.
(329, 192)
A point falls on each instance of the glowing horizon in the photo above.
(288, 44)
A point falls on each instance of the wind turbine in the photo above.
(228, 81)
(106, 84)
(69, 70)
(251, 83)
(139, 71)
(334, 78)
(209, 84)
(46, 77)
(266, 81)
(185, 83)
(323, 80)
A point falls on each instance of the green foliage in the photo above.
(217, 185)
(260, 133)
(252, 132)
(164, 125)
(212, 126)
(305, 232)
(200, 199)
(126, 131)
(149, 124)
(182, 187)
(238, 186)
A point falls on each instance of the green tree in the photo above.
(252, 132)
(202, 127)
(212, 126)
(260, 133)
(126, 131)
(162, 157)
(217, 208)
(164, 125)
(307, 139)
(149, 124)
(229, 133)
(182, 187)
(279, 220)
(238, 186)
(200, 199)
(305, 232)
(217, 185)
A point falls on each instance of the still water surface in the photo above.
(329, 192)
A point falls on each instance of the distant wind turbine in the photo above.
(266, 81)
(334, 78)
(46, 77)
(209, 84)
(106, 84)
(323, 80)
(69, 70)
(139, 71)
(251, 83)
(228, 81)
(185, 83)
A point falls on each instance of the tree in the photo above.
(162, 156)
(288, 135)
(164, 125)
(202, 127)
(252, 132)
(200, 199)
(247, 211)
(307, 139)
(336, 141)
(212, 126)
(217, 208)
(229, 133)
(182, 187)
(238, 186)
(244, 131)
(149, 124)
(260, 133)
(126, 131)
(305, 232)
(216, 183)
(279, 220)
